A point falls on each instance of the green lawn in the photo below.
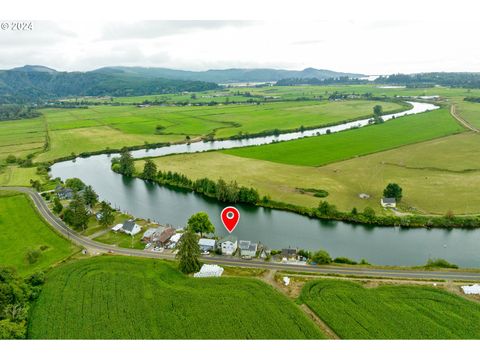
(130, 298)
(321, 150)
(392, 311)
(470, 111)
(22, 231)
(17, 176)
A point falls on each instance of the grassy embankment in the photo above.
(128, 298)
(392, 311)
(27, 243)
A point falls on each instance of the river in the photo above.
(276, 229)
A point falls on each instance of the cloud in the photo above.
(157, 29)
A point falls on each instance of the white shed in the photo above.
(209, 270)
(471, 289)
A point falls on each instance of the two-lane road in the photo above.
(94, 246)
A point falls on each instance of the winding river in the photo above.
(274, 228)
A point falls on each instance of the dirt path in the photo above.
(269, 278)
(465, 123)
(325, 328)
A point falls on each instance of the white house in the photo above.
(247, 248)
(229, 247)
(388, 202)
(206, 244)
(209, 271)
(130, 227)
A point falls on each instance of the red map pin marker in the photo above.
(230, 217)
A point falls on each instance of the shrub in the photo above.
(344, 260)
(440, 263)
(321, 257)
(32, 256)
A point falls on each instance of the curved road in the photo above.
(94, 246)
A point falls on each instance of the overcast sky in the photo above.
(363, 46)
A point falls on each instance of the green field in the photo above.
(424, 176)
(392, 311)
(131, 298)
(17, 176)
(470, 111)
(100, 127)
(321, 150)
(23, 231)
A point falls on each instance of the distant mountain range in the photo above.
(226, 76)
(32, 83)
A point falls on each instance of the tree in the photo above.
(57, 205)
(149, 170)
(321, 257)
(75, 184)
(393, 190)
(90, 196)
(326, 209)
(377, 110)
(107, 217)
(369, 213)
(77, 213)
(200, 223)
(188, 253)
(127, 165)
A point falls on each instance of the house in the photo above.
(289, 253)
(388, 202)
(247, 248)
(174, 239)
(164, 237)
(64, 193)
(206, 244)
(229, 246)
(130, 227)
(151, 233)
(208, 270)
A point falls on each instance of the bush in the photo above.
(440, 263)
(32, 256)
(11, 159)
(321, 257)
(344, 260)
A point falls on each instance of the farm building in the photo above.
(206, 244)
(208, 270)
(472, 289)
(247, 248)
(228, 246)
(130, 227)
(388, 202)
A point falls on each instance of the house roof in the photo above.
(244, 244)
(289, 251)
(389, 200)
(150, 232)
(128, 225)
(175, 237)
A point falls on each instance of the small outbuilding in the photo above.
(388, 202)
(471, 289)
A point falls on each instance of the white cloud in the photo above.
(355, 45)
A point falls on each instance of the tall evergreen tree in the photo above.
(149, 170)
(127, 166)
(107, 217)
(188, 253)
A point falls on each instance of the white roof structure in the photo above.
(117, 227)
(176, 237)
(206, 242)
(472, 289)
(208, 270)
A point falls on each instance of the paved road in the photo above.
(97, 247)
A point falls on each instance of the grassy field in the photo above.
(321, 150)
(100, 127)
(132, 298)
(24, 231)
(392, 311)
(469, 111)
(17, 176)
(424, 175)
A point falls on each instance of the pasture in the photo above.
(97, 128)
(18, 176)
(470, 112)
(392, 311)
(424, 176)
(24, 232)
(131, 298)
(321, 150)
